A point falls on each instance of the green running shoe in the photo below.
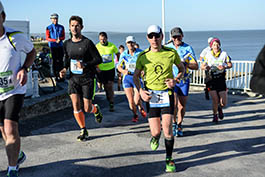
(83, 135)
(21, 158)
(111, 107)
(12, 173)
(170, 165)
(154, 143)
(98, 115)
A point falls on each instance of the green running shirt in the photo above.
(157, 66)
(107, 53)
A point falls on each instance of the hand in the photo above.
(62, 73)
(145, 95)
(58, 41)
(221, 67)
(125, 71)
(170, 83)
(22, 77)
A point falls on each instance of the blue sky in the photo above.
(137, 15)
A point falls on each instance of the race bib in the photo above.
(159, 99)
(107, 58)
(131, 66)
(74, 69)
(6, 81)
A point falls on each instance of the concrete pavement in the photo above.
(119, 148)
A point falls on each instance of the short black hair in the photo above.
(103, 34)
(121, 46)
(76, 18)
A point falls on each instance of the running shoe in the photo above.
(98, 115)
(220, 113)
(154, 143)
(143, 113)
(12, 173)
(83, 135)
(170, 165)
(179, 131)
(174, 127)
(21, 158)
(111, 107)
(215, 118)
(135, 118)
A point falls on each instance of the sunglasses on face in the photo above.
(175, 37)
(151, 35)
(130, 42)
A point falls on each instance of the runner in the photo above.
(121, 50)
(205, 50)
(13, 77)
(157, 62)
(202, 55)
(215, 63)
(106, 69)
(82, 57)
(126, 66)
(181, 90)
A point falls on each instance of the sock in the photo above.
(80, 118)
(169, 143)
(11, 168)
(93, 109)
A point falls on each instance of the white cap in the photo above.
(1, 7)
(210, 39)
(130, 39)
(154, 29)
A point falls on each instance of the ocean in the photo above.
(239, 44)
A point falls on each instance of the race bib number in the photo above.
(131, 66)
(159, 99)
(6, 81)
(107, 58)
(74, 69)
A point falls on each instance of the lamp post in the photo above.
(163, 21)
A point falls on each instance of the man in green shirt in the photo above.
(106, 70)
(157, 62)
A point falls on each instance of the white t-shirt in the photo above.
(11, 62)
(203, 53)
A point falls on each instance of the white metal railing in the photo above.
(237, 77)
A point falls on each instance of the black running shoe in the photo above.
(83, 135)
(220, 113)
(215, 118)
(98, 115)
(111, 107)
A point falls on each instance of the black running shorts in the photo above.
(217, 84)
(83, 86)
(105, 76)
(157, 112)
(10, 108)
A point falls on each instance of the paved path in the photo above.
(119, 148)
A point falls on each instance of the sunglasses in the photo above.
(151, 35)
(175, 37)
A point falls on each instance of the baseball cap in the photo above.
(177, 31)
(54, 15)
(154, 29)
(1, 7)
(130, 39)
(210, 39)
